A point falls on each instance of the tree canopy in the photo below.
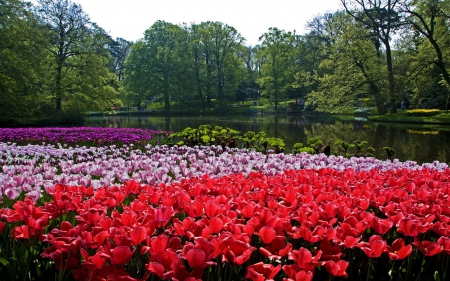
(56, 64)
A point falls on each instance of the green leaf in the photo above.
(9, 268)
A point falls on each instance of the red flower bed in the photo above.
(301, 225)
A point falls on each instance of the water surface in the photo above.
(410, 142)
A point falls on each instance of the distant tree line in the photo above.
(55, 64)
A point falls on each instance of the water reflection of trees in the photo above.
(294, 128)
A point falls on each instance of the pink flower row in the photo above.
(34, 168)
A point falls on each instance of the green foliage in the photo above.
(345, 145)
(299, 148)
(315, 143)
(77, 60)
(370, 152)
(255, 140)
(277, 144)
(277, 49)
(207, 135)
(358, 144)
(389, 151)
(227, 137)
(22, 56)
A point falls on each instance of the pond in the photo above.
(410, 141)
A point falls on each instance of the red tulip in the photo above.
(308, 235)
(156, 268)
(399, 250)
(277, 249)
(428, 248)
(337, 268)
(159, 244)
(260, 271)
(350, 241)
(64, 260)
(329, 251)
(445, 243)
(138, 235)
(236, 251)
(295, 273)
(163, 215)
(209, 248)
(409, 227)
(304, 259)
(267, 234)
(21, 232)
(248, 210)
(211, 209)
(161, 263)
(94, 262)
(120, 255)
(216, 224)
(381, 226)
(343, 231)
(195, 257)
(374, 248)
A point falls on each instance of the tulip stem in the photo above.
(444, 273)
(408, 267)
(368, 269)
(226, 271)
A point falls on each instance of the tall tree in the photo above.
(277, 47)
(430, 19)
(137, 75)
(198, 50)
(153, 65)
(226, 43)
(120, 50)
(67, 26)
(76, 48)
(382, 18)
(351, 72)
(21, 56)
(248, 88)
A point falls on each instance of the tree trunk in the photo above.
(58, 90)
(166, 94)
(392, 102)
(199, 82)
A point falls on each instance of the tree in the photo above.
(21, 53)
(430, 19)
(226, 43)
(382, 18)
(120, 50)
(137, 79)
(277, 46)
(153, 67)
(198, 49)
(248, 88)
(352, 71)
(75, 50)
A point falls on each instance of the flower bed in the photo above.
(298, 225)
(131, 211)
(79, 135)
(422, 112)
(34, 168)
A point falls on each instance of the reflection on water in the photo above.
(410, 142)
